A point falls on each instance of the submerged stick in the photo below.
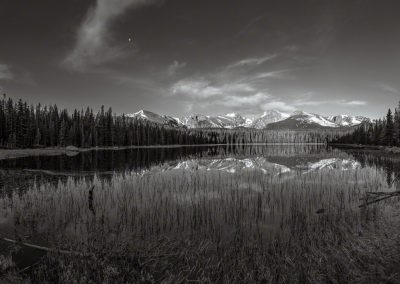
(90, 200)
(43, 248)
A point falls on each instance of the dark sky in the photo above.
(203, 56)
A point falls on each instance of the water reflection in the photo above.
(139, 159)
(20, 174)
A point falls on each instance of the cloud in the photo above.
(307, 102)
(352, 103)
(251, 61)
(235, 87)
(240, 102)
(278, 74)
(252, 22)
(235, 96)
(203, 89)
(387, 88)
(175, 66)
(292, 48)
(5, 72)
(93, 46)
(279, 105)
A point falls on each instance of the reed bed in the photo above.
(180, 225)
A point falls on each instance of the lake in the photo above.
(190, 213)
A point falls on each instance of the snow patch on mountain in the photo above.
(268, 117)
(313, 118)
(155, 118)
(347, 120)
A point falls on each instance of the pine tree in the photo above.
(63, 131)
(397, 125)
(389, 129)
(37, 137)
(21, 126)
(3, 125)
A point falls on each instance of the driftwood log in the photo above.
(374, 197)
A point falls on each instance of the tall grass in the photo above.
(212, 225)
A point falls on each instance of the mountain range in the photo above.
(270, 119)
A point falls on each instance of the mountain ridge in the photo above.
(269, 119)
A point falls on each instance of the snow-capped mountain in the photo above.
(230, 120)
(153, 117)
(347, 120)
(270, 119)
(305, 120)
(309, 118)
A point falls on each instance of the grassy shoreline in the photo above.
(56, 151)
(71, 151)
(386, 149)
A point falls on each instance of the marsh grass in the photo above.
(213, 226)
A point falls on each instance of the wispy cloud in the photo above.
(387, 88)
(5, 72)
(251, 61)
(250, 24)
(352, 103)
(203, 89)
(277, 104)
(175, 66)
(278, 74)
(308, 102)
(292, 48)
(93, 44)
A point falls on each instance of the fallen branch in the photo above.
(47, 249)
(374, 197)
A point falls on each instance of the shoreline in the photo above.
(385, 149)
(72, 151)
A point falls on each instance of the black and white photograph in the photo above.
(200, 141)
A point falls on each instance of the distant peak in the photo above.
(300, 112)
(232, 114)
(142, 111)
(274, 112)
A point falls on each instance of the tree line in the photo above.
(384, 131)
(27, 126)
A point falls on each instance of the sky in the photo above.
(179, 57)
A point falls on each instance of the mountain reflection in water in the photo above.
(282, 160)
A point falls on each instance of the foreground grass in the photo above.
(342, 256)
(180, 226)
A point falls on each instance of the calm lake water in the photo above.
(20, 174)
(211, 192)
